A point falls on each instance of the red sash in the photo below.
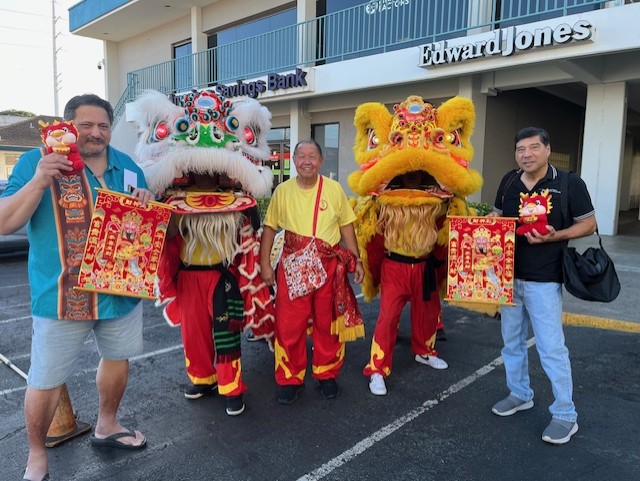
(348, 323)
(73, 207)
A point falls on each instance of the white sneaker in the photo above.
(377, 385)
(432, 361)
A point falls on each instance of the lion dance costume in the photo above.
(414, 171)
(204, 158)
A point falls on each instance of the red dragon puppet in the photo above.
(61, 138)
(414, 171)
(533, 212)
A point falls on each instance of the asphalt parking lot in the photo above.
(433, 425)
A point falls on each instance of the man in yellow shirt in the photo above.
(312, 209)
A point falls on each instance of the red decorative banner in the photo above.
(124, 245)
(481, 265)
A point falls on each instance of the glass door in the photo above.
(279, 161)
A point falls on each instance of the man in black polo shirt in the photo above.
(538, 281)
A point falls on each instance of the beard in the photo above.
(411, 228)
(213, 233)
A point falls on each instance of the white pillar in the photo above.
(602, 150)
(469, 87)
(300, 128)
(198, 37)
(480, 13)
(198, 44)
(112, 87)
(307, 32)
(627, 173)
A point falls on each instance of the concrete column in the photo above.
(480, 16)
(300, 127)
(198, 44)
(307, 32)
(469, 87)
(627, 172)
(603, 149)
(305, 10)
(198, 37)
(112, 87)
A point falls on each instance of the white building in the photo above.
(570, 66)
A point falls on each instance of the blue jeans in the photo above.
(540, 303)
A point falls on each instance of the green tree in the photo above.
(18, 113)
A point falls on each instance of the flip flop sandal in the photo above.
(112, 441)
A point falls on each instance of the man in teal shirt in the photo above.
(63, 317)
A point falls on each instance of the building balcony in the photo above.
(374, 27)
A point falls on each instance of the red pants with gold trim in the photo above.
(402, 283)
(292, 321)
(195, 304)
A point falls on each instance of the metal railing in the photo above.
(374, 27)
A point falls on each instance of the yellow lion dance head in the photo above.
(416, 137)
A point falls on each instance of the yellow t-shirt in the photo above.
(291, 208)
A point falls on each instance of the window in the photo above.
(560, 160)
(232, 44)
(328, 136)
(10, 160)
(377, 26)
(182, 67)
(279, 154)
(526, 11)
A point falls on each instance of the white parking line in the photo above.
(13, 306)
(389, 429)
(15, 319)
(16, 285)
(177, 347)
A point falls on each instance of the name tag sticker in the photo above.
(130, 181)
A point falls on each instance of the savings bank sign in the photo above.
(505, 42)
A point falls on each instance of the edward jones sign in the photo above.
(504, 42)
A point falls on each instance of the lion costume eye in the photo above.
(373, 140)
(454, 138)
(160, 132)
(249, 136)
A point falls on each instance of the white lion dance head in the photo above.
(207, 134)
(204, 157)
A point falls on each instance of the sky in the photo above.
(26, 56)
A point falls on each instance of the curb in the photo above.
(568, 318)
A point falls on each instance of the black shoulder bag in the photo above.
(590, 276)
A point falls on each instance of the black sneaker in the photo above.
(329, 388)
(289, 394)
(235, 405)
(196, 391)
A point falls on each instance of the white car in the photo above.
(16, 241)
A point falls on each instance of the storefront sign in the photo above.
(273, 82)
(505, 42)
(378, 6)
